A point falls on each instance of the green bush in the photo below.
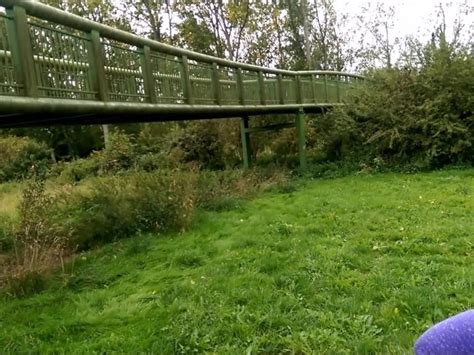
(116, 207)
(37, 236)
(421, 116)
(79, 169)
(22, 157)
(119, 154)
(152, 161)
(213, 145)
(39, 243)
(199, 144)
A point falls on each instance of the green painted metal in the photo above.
(96, 66)
(281, 90)
(147, 70)
(314, 88)
(271, 127)
(54, 64)
(22, 52)
(300, 133)
(246, 147)
(216, 86)
(185, 81)
(326, 91)
(240, 86)
(10, 68)
(261, 87)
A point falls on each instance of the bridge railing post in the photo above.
(313, 89)
(97, 66)
(216, 86)
(240, 86)
(338, 88)
(186, 81)
(148, 78)
(261, 87)
(246, 147)
(22, 50)
(299, 90)
(281, 90)
(326, 89)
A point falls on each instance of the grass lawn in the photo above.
(361, 264)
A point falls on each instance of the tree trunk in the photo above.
(105, 130)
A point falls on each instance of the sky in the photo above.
(410, 15)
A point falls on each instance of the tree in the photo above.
(226, 20)
(377, 42)
(153, 18)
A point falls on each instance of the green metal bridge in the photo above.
(58, 68)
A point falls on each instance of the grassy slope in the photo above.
(357, 264)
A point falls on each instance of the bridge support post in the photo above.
(22, 50)
(246, 147)
(300, 134)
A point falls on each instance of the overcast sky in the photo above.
(410, 15)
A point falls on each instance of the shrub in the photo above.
(198, 143)
(421, 116)
(152, 161)
(212, 145)
(79, 169)
(22, 157)
(116, 207)
(119, 155)
(37, 237)
(39, 243)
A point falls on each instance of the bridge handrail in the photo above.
(58, 16)
(55, 72)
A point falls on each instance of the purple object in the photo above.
(453, 336)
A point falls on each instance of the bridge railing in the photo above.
(48, 53)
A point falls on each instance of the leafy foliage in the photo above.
(212, 145)
(409, 115)
(110, 208)
(22, 157)
(39, 242)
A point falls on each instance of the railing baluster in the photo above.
(338, 88)
(326, 89)
(148, 78)
(186, 81)
(261, 86)
(216, 86)
(22, 51)
(281, 92)
(97, 66)
(240, 86)
(313, 87)
(299, 91)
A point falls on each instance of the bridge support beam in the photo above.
(246, 147)
(301, 137)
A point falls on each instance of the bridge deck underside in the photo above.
(18, 112)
